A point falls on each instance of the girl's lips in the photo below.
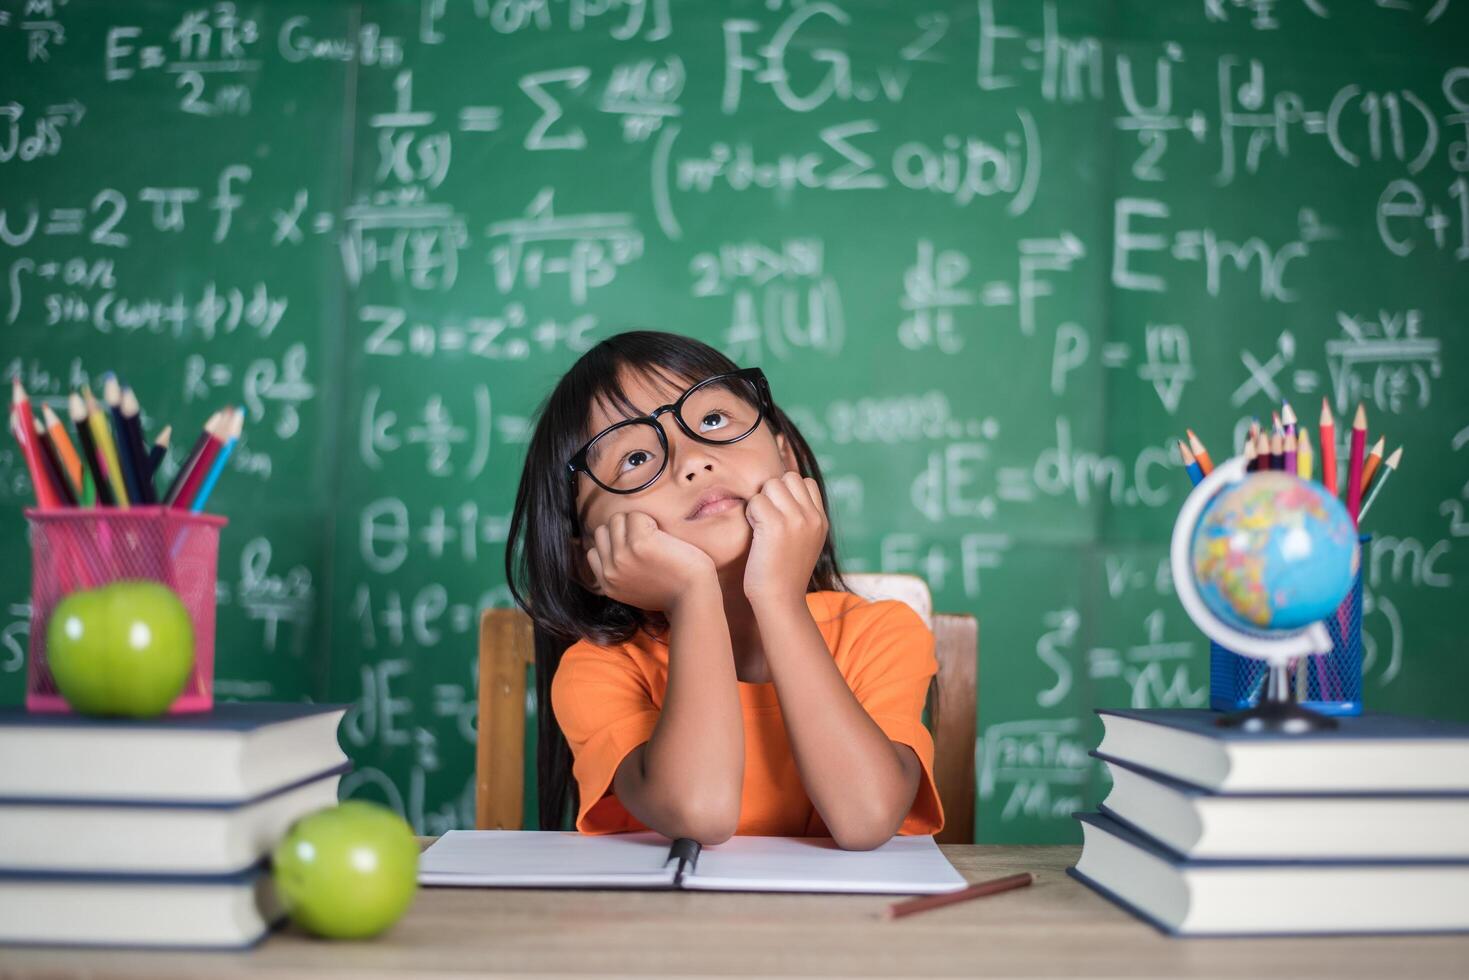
(717, 507)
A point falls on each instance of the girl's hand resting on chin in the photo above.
(636, 562)
(790, 528)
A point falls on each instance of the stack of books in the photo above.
(155, 832)
(1215, 831)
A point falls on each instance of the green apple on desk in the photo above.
(122, 649)
(348, 871)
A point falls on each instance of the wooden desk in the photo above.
(1055, 927)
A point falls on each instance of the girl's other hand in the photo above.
(790, 528)
(636, 562)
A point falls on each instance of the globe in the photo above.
(1273, 552)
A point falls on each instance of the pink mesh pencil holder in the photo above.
(88, 547)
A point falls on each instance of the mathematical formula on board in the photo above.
(385, 263)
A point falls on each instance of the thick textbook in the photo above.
(1193, 896)
(1366, 753)
(177, 911)
(168, 838)
(645, 859)
(234, 753)
(1198, 822)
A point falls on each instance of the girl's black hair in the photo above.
(539, 562)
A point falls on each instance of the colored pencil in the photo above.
(190, 461)
(1304, 457)
(1200, 453)
(1372, 462)
(1389, 467)
(189, 489)
(979, 890)
(231, 436)
(102, 436)
(55, 473)
(65, 451)
(1354, 463)
(1288, 418)
(1277, 450)
(112, 396)
(158, 452)
(24, 429)
(1291, 463)
(90, 453)
(1262, 450)
(1252, 456)
(1190, 464)
(133, 428)
(1327, 434)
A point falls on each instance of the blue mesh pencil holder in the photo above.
(1330, 683)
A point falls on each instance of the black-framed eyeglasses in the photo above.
(631, 455)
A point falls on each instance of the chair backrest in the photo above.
(507, 649)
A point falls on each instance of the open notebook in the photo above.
(645, 859)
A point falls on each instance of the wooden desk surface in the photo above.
(1055, 927)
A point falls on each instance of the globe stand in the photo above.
(1277, 712)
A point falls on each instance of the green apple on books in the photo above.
(157, 831)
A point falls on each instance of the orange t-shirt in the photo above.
(607, 700)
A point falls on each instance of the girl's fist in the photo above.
(790, 527)
(634, 561)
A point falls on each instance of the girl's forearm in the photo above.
(850, 768)
(694, 763)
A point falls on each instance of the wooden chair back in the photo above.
(507, 649)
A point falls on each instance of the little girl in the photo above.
(701, 670)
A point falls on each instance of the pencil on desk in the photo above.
(980, 890)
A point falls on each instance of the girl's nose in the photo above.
(689, 456)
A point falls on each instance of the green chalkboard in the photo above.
(993, 256)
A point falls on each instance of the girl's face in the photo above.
(696, 471)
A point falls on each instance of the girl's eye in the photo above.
(720, 416)
(635, 453)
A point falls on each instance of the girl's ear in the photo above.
(787, 454)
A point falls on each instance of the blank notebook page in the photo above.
(533, 858)
(912, 865)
